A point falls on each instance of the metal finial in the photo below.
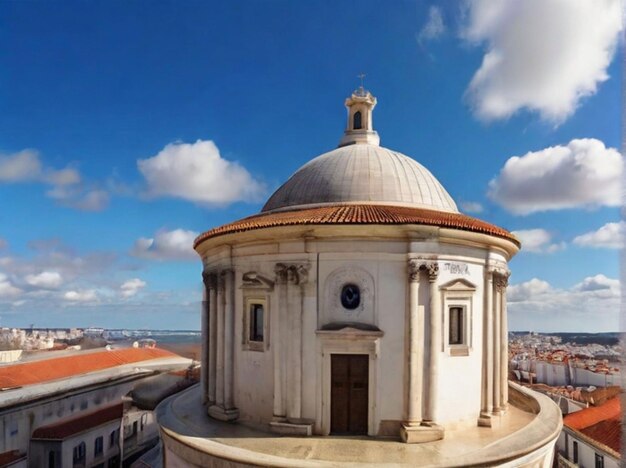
(361, 76)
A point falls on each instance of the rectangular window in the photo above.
(112, 438)
(599, 461)
(256, 322)
(575, 451)
(456, 326)
(78, 458)
(98, 446)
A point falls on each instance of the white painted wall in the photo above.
(586, 452)
(385, 262)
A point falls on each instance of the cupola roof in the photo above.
(361, 171)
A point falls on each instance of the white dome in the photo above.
(362, 173)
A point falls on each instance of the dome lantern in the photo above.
(359, 128)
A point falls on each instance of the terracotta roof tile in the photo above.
(10, 457)
(64, 429)
(601, 423)
(29, 373)
(359, 214)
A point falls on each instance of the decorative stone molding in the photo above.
(334, 311)
(414, 269)
(418, 264)
(209, 278)
(501, 279)
(254, 280)
(295, 273)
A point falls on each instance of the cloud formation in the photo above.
(7, 289)
(85, 295)
(434, 27)
(197, 172)
(541, 55)
(167, 245)
(131, 287)
(538, 241)
(609, 236)
(582, 174)
(66, 185)
(471, 207)
(536, 304)
(45, 280)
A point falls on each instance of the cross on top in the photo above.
(362, 75)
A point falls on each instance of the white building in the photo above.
(591, 437)
(50, 408)
(358, 302)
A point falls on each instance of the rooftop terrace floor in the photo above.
(516, 436)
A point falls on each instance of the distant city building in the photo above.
(591, 438)
(359, 302)
(66, 409)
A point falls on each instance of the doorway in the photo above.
(349, 394)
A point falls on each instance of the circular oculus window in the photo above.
(350, 296)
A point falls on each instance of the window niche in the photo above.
(457, 317)
(357, 121)
(255, 327)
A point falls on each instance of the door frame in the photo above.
(344, 341)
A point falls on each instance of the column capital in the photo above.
(294, 273)
(209, 278)
(501, 282)
(416, 265)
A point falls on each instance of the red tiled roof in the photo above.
(7, 458)
(29, 373)
(64, 429)
(359, 214)
(602, 424)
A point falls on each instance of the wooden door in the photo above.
(349, 393)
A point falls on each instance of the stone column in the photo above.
(229, 337)
(502, 284)
(204, 353)
(224, 409)
(213, 332)
(496, 333)
(487, 382)
(296, 278)
(219, 344)
(277, 337)
(435, 344)
(416, 340)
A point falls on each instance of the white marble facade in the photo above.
(430, 310)
(417, 377)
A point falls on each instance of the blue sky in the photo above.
(100, 99)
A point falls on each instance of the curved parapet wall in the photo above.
(525, 437)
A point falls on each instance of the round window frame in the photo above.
(347, 304)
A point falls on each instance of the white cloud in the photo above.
(434, 27)
(85, 295)
(599, 285)
(592, 305)
(23, 166)
(80, 198)
(7, 289)
(609, 236)
(582, 174)
(471, 207)
(541, 55)
(45, 279)
(198, 173)
(66, 185)
(537, 241)
(527, 291)
(3, 243)
(167, 245)
(131, 287)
